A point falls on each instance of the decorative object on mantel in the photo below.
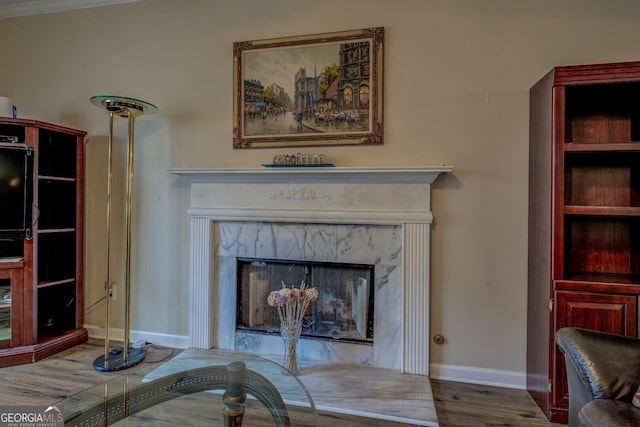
(118, 358)
(320, 89)
(299, 160)
(291, 305)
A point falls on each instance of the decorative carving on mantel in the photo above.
(301, 194)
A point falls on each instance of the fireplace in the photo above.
(373, 216)
(342, 312)
(379, 246)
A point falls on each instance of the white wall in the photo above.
(457, 76)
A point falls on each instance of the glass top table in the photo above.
(212, 387)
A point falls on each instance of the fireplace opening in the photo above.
(343, 310)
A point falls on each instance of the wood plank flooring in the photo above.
(457, 404)
(473, 405)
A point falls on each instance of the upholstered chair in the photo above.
(603, 374)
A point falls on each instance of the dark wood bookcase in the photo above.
(584, 215)
(41, 270)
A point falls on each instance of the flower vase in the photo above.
(290, 336)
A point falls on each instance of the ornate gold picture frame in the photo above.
(322, 89)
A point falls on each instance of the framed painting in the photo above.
(321, 89)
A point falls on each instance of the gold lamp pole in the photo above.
(115, 359)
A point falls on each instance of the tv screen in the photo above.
(14, 168)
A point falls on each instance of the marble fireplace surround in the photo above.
(326, 213)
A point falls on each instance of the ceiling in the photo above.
(15, 8)
(9, 2)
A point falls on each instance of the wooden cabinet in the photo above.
(42, 264)
(617, 314)
(10, 307)
(584, 215)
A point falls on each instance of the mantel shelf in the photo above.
(419, 174)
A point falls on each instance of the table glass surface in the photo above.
(189, 391)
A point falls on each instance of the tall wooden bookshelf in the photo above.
(41, 271)
(584, 215)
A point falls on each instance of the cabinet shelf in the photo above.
(579, 279)
(12, 144)
(56, 178)
(604, 211)
(624, 285)
(11, 262)
(55, 230)
(54, 283)
(583, 147)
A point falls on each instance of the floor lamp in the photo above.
(118, 358)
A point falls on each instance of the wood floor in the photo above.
(457, 404)
(472, 405)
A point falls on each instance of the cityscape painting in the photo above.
(322, 89)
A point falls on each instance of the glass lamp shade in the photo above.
(123, 106)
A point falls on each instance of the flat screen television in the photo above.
(15, 194)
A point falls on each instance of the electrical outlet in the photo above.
(112, 292)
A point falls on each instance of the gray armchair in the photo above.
(603, 373)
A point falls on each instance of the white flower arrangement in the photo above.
(291, 303)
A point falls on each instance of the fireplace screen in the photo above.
(343, 310)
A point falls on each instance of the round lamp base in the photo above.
(117, 360)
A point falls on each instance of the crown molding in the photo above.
(39, 7)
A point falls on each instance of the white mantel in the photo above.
(361, 196)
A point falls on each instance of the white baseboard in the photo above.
(164, 340)
(473, 375)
